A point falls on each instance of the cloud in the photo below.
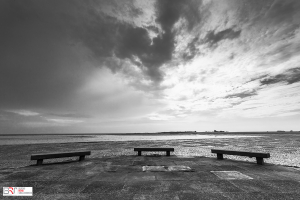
(242, 94)
(271, 101)
(71, 115)
(24, 112)
(49, 50)
(212, 82)
(213, 38)
(107, 37)
(290, 76)
(54, 47)
(191, 50)
(63, 121)
(81, 64)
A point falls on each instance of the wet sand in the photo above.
(284, 149)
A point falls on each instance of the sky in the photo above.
(111, 66)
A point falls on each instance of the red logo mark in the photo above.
(11, 189)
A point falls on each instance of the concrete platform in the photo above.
(122, 177)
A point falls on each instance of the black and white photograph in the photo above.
(150, 99)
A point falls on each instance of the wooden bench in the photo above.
(40, 157)
(259, 156)
(139, 150)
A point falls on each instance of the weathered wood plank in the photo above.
(153, 149)
(241, 153)
(259, 156)
(59, 155)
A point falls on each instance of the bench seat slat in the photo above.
(59, 155)
(153, 149)
(241, 153)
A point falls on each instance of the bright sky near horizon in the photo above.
(112, 66)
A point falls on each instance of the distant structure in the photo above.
(218, 131)
(172, 132)
(280, 131)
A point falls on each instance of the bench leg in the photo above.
(220, 156)
(139, 153)
(260, 161)
(168, 153)
(81, 158)
(39, 162)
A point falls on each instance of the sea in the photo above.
(71, 138)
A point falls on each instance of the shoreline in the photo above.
(162, 133)
(115, 138)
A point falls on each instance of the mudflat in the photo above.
(284, 149)
(114, 171)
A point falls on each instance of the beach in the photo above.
(284, 149)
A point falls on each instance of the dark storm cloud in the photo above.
(43, 54)
(45, 46)
(169, 11)
(106, 36)
(136, 42)
(290, 76)
(242, 94)
(213, 38)
(41, 60)
(153, 55)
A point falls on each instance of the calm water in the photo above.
(38, 139)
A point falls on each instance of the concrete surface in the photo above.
(122, 177)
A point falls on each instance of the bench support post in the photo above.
(220, 156)
(39, 162)
(260, 161)
(168, 153)
(81, 158)
(139, 153)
